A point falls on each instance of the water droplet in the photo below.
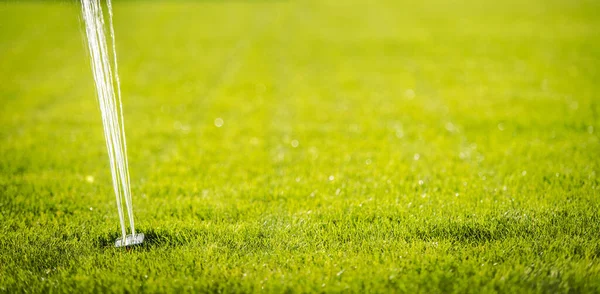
(89, 179)
(399, 134)
(450, 127)
(91, 208)
(295, 143)
(456, 194)
(416, 156)
(501, 126)
(219, 122)
(420, 182)
(574, 105)
(524, 173)
(544, 85)
(331, 178)
(368, 161)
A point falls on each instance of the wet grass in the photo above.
(381, 147)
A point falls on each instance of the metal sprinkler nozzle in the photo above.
(130, 240)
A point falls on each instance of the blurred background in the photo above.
(232, 89)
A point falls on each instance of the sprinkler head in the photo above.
(130, 240)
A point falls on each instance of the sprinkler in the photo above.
(130, 240)
(106, 78)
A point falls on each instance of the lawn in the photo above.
(307, 146)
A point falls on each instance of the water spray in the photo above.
(106, 78)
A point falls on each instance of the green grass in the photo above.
(498, 102)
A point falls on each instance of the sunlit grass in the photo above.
(307, 146)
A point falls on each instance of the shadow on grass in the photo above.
(329, 232)
(512, 224)
(154, 238)
(461, 232)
